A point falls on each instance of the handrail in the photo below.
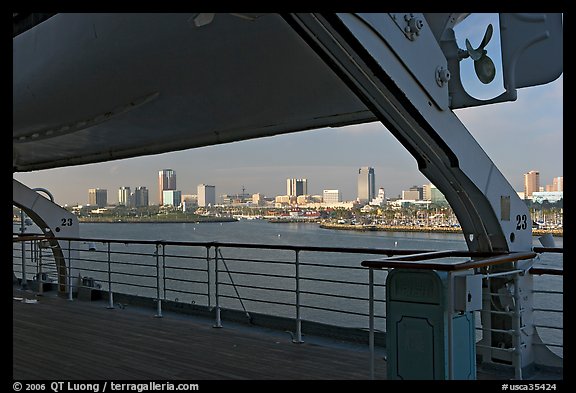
(543, 270)
(410, 261)
(548, 249)
(351, 250)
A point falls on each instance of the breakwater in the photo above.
(415, 228)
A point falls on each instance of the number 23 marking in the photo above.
(521, 222)
(66, 222)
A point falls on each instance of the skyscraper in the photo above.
(98, 197)
(140, 197)
(558, 184)
(124, 196)
(296, 187)
(172, 197)
(531, 183)
(166, 181)
(366, 184)
(206, 195)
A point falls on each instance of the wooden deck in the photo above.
(55, 339)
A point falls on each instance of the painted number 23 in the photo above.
(66, 222)
(521, 222)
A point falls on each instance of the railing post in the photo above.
(517, 326)
(208, 274)
(450, 326)
(164, 271)
(24, 281)
(38, 251)
(110, 293)
(218, 323)
(298, 339)
(70, 284)
(158, 300)
(371, 319)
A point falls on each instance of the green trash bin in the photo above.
(417, 328)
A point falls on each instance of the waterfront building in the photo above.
(140, 197)
(296, 187)
(166, 181)
(531, 183)
(550, 196)
(417, 191)
(558, 184)
(172, 198)
(258, 199)
(124, 196)
(406, 203)
(206, 195)
(331, 196)
(426, 193)
(437, 197)
(366, 184)
(412, 195)
(98, 197)
(380, 200)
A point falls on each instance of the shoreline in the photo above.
(408, 228)
(196, 220)
(333, 226)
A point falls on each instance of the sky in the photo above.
(518, 136)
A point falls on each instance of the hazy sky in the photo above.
(518, 136)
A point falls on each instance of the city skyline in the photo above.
(412, 192)
(543, 185)
(518, 137)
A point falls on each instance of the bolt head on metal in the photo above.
(416, 24)
(442, 76)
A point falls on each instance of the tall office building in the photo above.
(98, 197)
(172, 197)
(531, 183)
(140, 197)
(206, 195)
(415, 193)
(366, 184)
(124, 196)
(296, 187)
(166, 181)
(558, 184)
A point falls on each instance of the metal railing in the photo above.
(300, 283)
(515, 311)
(548, 302)
(316, 284)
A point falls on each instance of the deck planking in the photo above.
(55, 339)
